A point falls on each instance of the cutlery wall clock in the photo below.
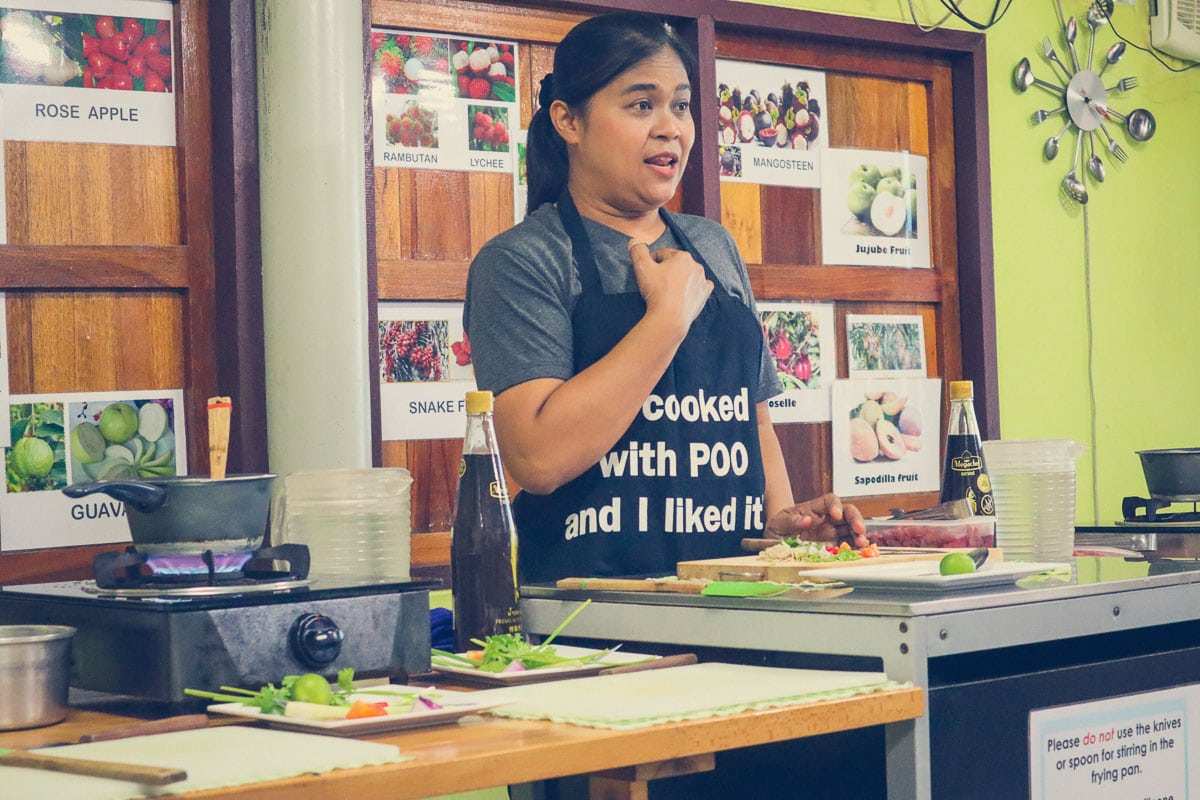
(1082, 91)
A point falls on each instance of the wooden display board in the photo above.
(894, 89)
(109, 271)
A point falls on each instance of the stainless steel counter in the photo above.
(905, 632)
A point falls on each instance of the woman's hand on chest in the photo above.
(672, 283)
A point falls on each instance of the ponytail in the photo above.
(546, 165)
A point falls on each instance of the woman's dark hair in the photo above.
(591, 55)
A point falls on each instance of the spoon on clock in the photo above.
(1074, 187)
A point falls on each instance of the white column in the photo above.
(314, 249)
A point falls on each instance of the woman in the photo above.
(621, 339)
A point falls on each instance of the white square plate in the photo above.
(467, 674)
(454, 706)
(925, 575)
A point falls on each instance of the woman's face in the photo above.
(629, 145)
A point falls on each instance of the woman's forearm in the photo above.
(778, 492)
(551, 431)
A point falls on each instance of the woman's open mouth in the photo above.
(665, 164)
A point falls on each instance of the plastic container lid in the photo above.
(1031, 455)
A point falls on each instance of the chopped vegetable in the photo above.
(506, 652)
(284, 700)
(362, 708)
(799, 550)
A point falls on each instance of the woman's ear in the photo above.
(565, 121)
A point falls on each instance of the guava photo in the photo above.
(121, 439)
(36, 461)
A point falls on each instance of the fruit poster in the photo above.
(88, 71)
(885, 345)
(5, 433)
(771, 123)
(800, 338)
(443, 102)
(886, 435)
(520, 179)
(58, 440)
(875, 208)
(425, 371)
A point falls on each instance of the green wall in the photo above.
(1138, 240)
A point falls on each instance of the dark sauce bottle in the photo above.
(483, 542)
(965, 473)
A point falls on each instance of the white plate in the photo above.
(614, 659)
(454, 705)
(925, 575)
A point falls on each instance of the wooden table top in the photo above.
(480, 752)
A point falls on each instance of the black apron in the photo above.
(686, 480)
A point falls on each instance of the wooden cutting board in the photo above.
(750, 568)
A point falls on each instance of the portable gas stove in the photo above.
(148, 628)
(1164, 527)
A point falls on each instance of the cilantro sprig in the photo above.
(500, 652)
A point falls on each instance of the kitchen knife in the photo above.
(679, 660)
(134, 773)
(185, 722)
(978, 555)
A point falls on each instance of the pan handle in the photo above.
(145, 497)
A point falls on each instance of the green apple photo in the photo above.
(883, 198)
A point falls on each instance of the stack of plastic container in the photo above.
(1033, 483)
(356, 522)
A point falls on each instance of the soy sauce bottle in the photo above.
(965, 474)
(483, 541)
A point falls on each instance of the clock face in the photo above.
(1082, 93)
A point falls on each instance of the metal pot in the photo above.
(1172, 474)
(34, 664)
(183, 516)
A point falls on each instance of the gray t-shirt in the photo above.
(523, 284)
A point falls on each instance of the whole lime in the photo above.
(312, 688)
(118, 422)
(32, 457)
(956, 564)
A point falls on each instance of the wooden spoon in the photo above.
(219, 409)
(136, 773)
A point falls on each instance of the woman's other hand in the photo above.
(822, 519)
(671, 282)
